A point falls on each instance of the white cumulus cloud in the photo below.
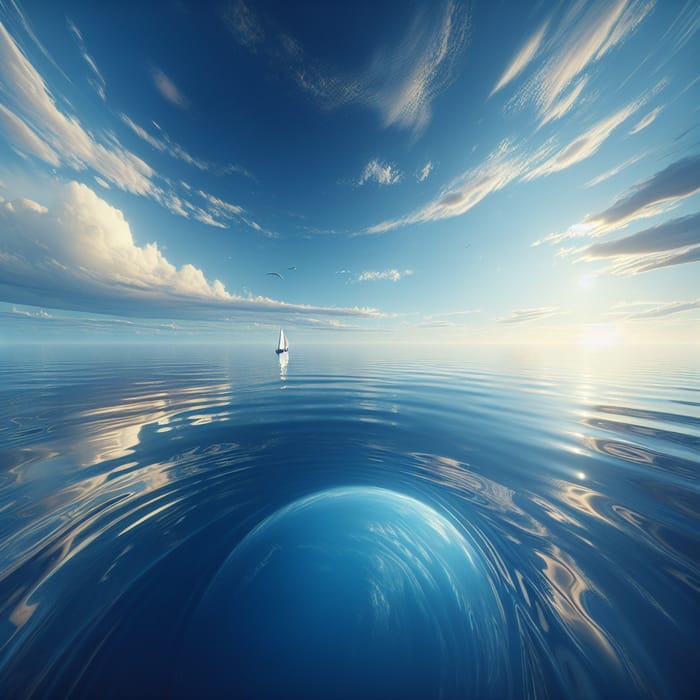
(80, 255)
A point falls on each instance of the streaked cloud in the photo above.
(583, 146)
(532, 314)
(562, 106)
(647, 120)
(225, 210)
(80, 254)
(23, 139)
(645, 199)
(424, 172)
(381, 173)
(35, 119)
(243, 24)
(613, 171)
(679, 180)
(522, 59)
(501, 167)
(399, 82)
(163, 144)
(635, 265)
(585, 34)
(392, 275)
(676, 233)
(96, 79)
(167, 88)
(646, 310)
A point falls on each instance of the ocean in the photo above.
(349, 521)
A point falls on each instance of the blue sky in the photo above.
(463, 172)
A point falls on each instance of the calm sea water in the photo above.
(358, 522)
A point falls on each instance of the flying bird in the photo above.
(275, 274)
(293, 267)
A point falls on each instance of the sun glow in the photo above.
(587, 281)
(600, 336)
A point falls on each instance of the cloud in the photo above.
(392, 275)
(645, 199)
(676, 233)
(97, 80)
(658, 310)
(679, 180)
(379, 172)
(424, 172)
(526, 315)
(561, 107)
(400, 82)
(634, 265)
(502, 166)
(39, 127)
(163, 144)
(167, 88)
(647, 120)
(583, 146)
(522, 59)
(613, 171)
(80, 255)
(226, 210)
(24, 139)
(244, 24)
(584, 35)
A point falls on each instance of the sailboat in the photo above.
(282, 343)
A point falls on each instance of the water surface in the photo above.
(418, 522)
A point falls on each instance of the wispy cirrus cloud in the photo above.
(583, 146)
(531, 314)
(614, 171)
(221, 209)
(381, 173)
(163, 144)
(33, 124)
(501, 167)
(392, 275)
(646, 120)
(424, 172)
(96, 79)
(39, 127)
(582, 37)
(24, 140)
(646, 310)
(522, 59)
(399, 82)
(167, 88)
(80, 253)
(244, 24)
(637, 264)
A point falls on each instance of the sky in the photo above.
(442, 171)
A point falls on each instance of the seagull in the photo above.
(293, 267)
(275, 274)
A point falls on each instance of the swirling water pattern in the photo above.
(505, 525)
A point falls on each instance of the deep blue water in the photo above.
(362, 522)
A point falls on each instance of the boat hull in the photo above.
(279, 352)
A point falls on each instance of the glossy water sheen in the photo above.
(355, 523)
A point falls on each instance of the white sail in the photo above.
(281, 343)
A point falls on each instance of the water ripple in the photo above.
(126, 482)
